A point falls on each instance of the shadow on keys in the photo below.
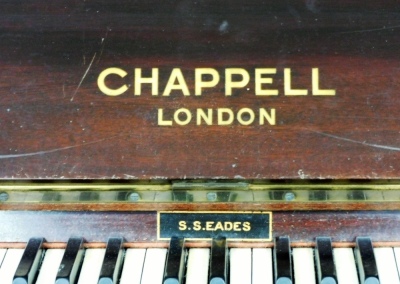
(282, 264)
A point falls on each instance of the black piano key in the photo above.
(326, 270)
(365, 259)
(175, 262)
(112, 262)
(218, 261)
(70, 262)
(28, 266)
(283, 261)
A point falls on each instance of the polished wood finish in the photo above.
(56, 124)
(140, 228)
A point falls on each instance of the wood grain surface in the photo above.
(141, 227)
(56, 123)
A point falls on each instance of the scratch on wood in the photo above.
(11, 156)
(83, 77)
(391, 148)
(103, 41)
(130, 176)
(64, 90)
(371, 30)
(72, 169)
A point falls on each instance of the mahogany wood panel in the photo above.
(56, 124)
(140, 227)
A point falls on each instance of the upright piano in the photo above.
(197, 142)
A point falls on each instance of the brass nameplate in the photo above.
(245, 226)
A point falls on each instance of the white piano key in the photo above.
(386, 263)
(262, 266)
(153, 269)
(346, 269)
(397, 256)
(2, 254)
(9, 265)
(51, 262)
(197, 266)
(303, 266)
(240, 266)
(91, 266)
(133, 266)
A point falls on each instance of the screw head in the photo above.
(290, 196)
(134, 196)
(4, 196)
(211, 196)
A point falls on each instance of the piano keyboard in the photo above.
(216, 265)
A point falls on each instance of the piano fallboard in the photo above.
(153, 90)
(98, 211)
(139, 229)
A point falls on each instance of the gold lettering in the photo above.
(315, 85)
(288, 85)
(228, 112)
(270, 117)
(219, 226)
(208, 118)
(229, 84)
(176, 75)
(161, 120)
(177, 118)
(247, 111)
(197, 225)
(139, 80)
(246, 226)
(209, 225)
(236, 226)
(228, 226)
(102, 85)
(200, 84)
(182, 225)
(259, 81)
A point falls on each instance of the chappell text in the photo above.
(208, 78)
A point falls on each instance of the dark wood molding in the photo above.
(211, 206)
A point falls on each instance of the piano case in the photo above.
(257, 119)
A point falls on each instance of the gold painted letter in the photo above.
(200, 84)
(315, 85)
(270, 117)
(176, 75)
(259, 80)
(161, 120)
(228, 112)
(247, 112)
(208, 118)
(288, 85)
(102, 85)
(180, 111)
(229, 84)
(153, 80)
(182, 225)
